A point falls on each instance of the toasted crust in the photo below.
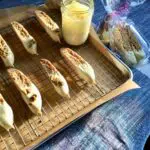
(20, 28)
(3, 47)
(49, 25)
(57, 80)
(52, 72)
(46, 20)
(80, 66)
(6, 53)
(27, 40)
(1, 99)
(28, 90)
(20, 80)
(70, 54)
(46, 63)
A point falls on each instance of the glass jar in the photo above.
(76, 20)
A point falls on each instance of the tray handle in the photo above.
(128, 85)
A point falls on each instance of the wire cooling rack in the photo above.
(57, 112)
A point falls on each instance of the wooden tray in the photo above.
(112, 76)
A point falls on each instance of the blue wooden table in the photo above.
(124, 122)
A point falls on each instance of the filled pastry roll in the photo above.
(6, 54)
(80, 66)
(49, 25)
(27, 40)
(56, 78)
(6, 115)
(28, 90)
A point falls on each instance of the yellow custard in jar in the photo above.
(76, 21)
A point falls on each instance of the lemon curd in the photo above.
(76, 21)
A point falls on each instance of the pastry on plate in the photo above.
(49, 25)
(6, 115)
(6, 54)
(56, 78)
(26, 39)
(28, 90)
(79, 65)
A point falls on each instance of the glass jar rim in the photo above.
(90, 6)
